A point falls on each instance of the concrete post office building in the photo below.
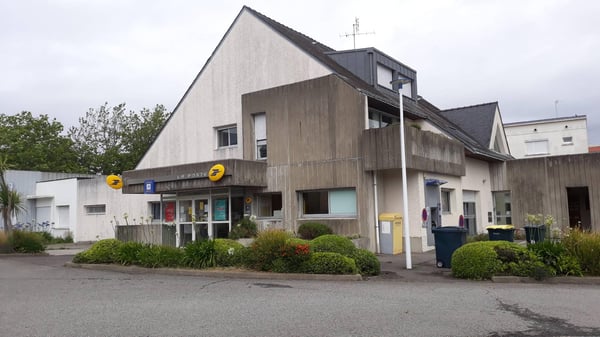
(282, 127)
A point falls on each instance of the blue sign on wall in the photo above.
(149, 187)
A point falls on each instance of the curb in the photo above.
(589, 280)
(215, 273)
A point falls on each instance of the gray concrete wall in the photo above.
(539, 185)
(313, 135)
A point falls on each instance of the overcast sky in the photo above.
(62, 57)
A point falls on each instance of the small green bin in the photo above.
(535, 233)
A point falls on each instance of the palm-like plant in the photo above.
(11, 203)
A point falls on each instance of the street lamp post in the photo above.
(405, 222)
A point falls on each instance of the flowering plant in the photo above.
(245, 229)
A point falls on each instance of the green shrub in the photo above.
(484, 259)
(478, 237)
(311, 230)
(330, 263)
(228, 252)
(366, 262)
(266, 248)
(5, 246)
(103, 251)
(26, 242)
(556, 256)
(334, 244)
(46, 237)
(517, 260)
(476, 261)
(200, 254)
(157, 256)
(293, 255)
(246, 228)
(585, 247)
(127, 253)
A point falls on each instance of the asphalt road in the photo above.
(39, 297)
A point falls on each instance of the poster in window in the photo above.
(170, 211)
(220, 210)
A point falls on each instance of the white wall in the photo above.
(553, 131)
(78, 193)
(63, 193)
(477, 178)
(391, 201)
(101, 226)
(251, 57)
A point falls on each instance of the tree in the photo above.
(11, 202)
(36, 143)
(110, 140)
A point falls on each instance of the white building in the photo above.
(547, 137)
(82, 205)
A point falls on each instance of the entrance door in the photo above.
(470, 217)
(502, 208)
(579, 207)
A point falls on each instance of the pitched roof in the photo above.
(477, 120)
(412, 108)
(319, 51)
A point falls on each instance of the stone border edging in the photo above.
(215, 273)
(591, 280)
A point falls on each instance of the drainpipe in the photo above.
(376, 200)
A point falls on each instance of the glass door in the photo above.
(220, 216)
(201, 211)
(184, 215)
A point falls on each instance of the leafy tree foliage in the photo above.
(36, 143)
(110, 140)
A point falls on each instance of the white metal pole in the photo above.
(405, 216)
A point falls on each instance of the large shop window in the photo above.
(332, 202)
(227, 136)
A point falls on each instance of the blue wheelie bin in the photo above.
(447, 240)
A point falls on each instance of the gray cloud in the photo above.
(62, 57)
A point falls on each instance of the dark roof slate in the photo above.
(412, 109)
(477, 120)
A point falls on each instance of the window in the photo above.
(446, 201)
(155, 210)
(567, 140)
(378, 119)
(269, 205)
(502, 208)
(95, 209)
(536, 147)
(260, 135)
(227, 136)
(385, 76)
(333, 202)
(261, 149)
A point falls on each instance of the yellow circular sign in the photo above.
(248, 200)
(216, 172)
(114, 181)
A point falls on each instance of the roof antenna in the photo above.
(355, 31)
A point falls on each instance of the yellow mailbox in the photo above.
(390, 233)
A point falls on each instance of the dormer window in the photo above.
(385, 75)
